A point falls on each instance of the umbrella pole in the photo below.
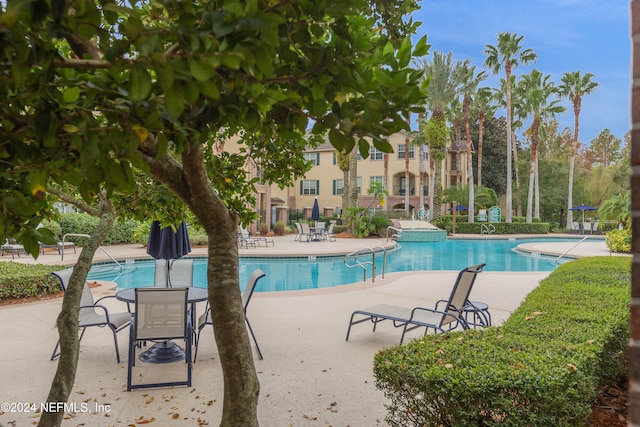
(168, 283)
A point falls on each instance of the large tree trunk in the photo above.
(67, 322)
(191, 183)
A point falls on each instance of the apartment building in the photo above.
(405, 186)
(408, 189)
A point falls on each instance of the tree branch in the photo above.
(67, 198)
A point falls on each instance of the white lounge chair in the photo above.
(440, 319)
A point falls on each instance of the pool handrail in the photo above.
(362, 264)
(397, 230)
(556, 261)
(99, 247)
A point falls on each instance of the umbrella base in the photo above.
(167, 352)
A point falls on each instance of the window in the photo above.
(309, 187)
(338, 187)
(402, 151)
(425, 152)
(314, 158)
(376, 154)
(379, 179)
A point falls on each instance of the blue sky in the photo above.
(567, 35)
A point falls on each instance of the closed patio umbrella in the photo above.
(164, 243)
(315, 211)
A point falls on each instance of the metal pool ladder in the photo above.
(487, 228)
(362, 264)
(394, 236)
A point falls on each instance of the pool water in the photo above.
(286, 274)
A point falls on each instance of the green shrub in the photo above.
(54, 227)
(278, 228)
(378, 225)
(19, 280)
(197, 237)
(542, 367)
(504, 228)
(619, 240)
(339, 229)
(122, 231)
(264, 229)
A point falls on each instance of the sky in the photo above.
(590, 36)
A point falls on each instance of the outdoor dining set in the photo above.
(161, 315)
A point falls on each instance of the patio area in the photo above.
(309, 376)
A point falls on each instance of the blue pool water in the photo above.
(285, 274)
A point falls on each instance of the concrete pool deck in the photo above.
(310, 375)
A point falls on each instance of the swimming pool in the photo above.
(285, 274)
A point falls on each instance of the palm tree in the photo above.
(485, 197)
(617, 207)
(407, 181)
(500, 97)
(442, 91)
(483, 104)
(508, 53)
(536, 90)
(469, 82)
(574, 86)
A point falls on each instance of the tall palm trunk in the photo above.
(466, 106)
(509, 195)
(385, 179)
(407, 183)
(535, 126)
(572, 161)
(432, 189)
(536, 204)
(423, 175)
(480, 140)
(353, 178)
(517, 173)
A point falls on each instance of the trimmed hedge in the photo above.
(541, 368)
(505, 228)
(27, 280)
